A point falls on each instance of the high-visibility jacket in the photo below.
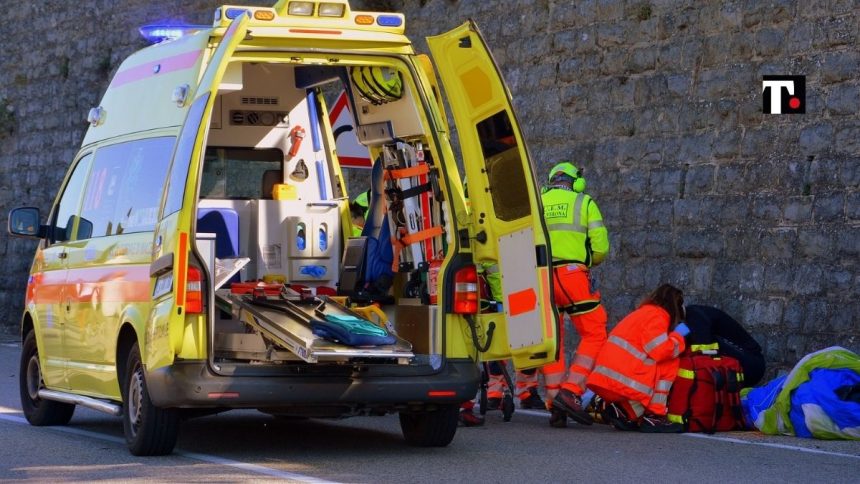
(576, 229)
(628, 362)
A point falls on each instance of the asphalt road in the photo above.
(248, 446)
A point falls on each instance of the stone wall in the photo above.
(658, 100)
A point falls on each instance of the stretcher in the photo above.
(285, 321)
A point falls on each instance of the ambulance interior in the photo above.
(273, 208)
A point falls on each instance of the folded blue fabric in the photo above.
(351, 331)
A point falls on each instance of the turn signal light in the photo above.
(264, 15)
(364, 19)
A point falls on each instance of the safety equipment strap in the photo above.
(405, 239)
(398, 173)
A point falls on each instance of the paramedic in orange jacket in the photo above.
(636, 367)
(579, 241)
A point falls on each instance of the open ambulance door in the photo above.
(174, 290)
(505, 205)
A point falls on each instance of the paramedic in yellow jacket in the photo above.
(579, 241)
(358, 212)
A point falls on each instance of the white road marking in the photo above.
(771, 444)
(12, 415)
(541, 413)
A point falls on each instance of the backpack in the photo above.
(705, 396)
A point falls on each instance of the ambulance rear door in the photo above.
(174, 328)
(505, 205)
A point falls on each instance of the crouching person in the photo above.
(636, 367)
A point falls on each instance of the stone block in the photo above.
(702, 275)
(815, 242)
(852, 206)
(698, 244)
(609, 10)
(838, 66)
(777, 244)
(848, 242)
(817, 138)
(665, 182)
(650, 90)
(828, 208)
(764, 312)
(769, 42)
(798, 210)
(847, 141)
(808, 279)
(844, 99)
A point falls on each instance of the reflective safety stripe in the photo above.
(649, 346)
(659, 399)
(584, 361)
(675, 418)
(595, 224)
(702, 348)
(577, 211)
(688, 374)
(577, 379)
(574, 227)
(554, 379)
(630, 349)
(664, 385)
(676, 350)
(628, 382)
(491, 269)
(637, 407)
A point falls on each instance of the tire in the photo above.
(149, 430)
(507, 407)
(38, 412)
(434, 428)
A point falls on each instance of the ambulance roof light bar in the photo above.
(332, 13)
(157, 33)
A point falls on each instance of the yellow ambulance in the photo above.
(209, 175)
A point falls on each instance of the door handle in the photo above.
(63, 255)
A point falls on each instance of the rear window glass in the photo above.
(240, 173)
(504, 167)
(124, 188)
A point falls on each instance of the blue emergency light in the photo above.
(157, 33)
(389, 20)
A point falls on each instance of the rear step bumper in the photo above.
(194, 385)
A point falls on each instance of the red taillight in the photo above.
(194, 291)
(466, 290)
(441, 393)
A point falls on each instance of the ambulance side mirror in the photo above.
(24, 222)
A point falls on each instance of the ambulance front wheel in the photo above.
(37, 411)
(149, 430)
(435, 428)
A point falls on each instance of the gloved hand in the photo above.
(682, 329)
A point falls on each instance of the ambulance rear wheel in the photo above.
(38, 412)
(435, 428)
(149, 430)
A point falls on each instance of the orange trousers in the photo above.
(574, 296)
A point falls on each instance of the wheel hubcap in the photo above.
(135, 396)
(34, 377)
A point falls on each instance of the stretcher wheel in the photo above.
(507, 407)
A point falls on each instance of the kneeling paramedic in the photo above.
(579, 241)
(638, 364)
